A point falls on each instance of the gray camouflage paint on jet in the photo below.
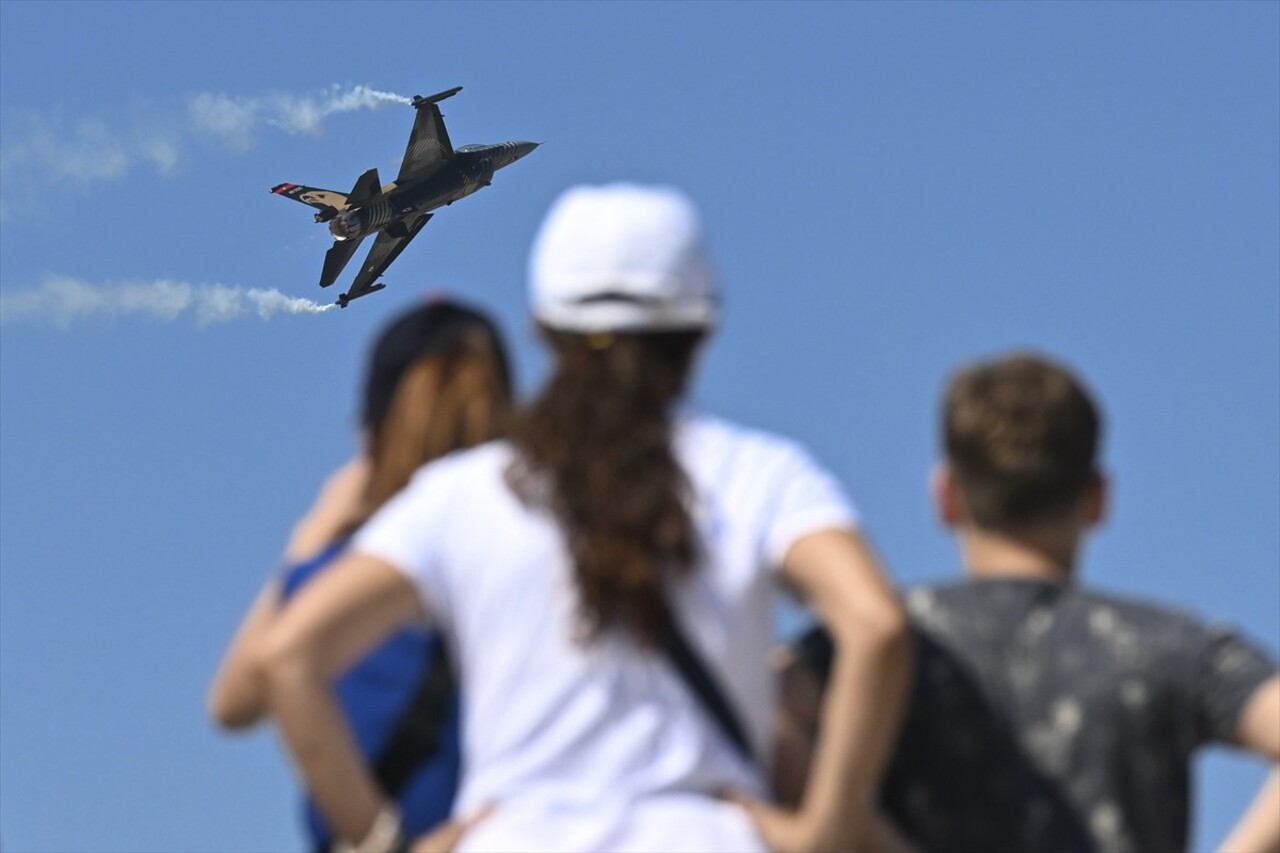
(432, 175)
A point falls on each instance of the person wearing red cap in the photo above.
(605, 579)
(437, 381)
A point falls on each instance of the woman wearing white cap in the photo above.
(605, 579)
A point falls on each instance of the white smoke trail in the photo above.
(46, 151)
(236, 119)
(62, 300)
(83, 153)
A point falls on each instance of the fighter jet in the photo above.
(432, 175)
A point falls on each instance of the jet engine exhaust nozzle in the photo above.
(343, 227)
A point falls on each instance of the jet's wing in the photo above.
(385, 250)
(429, 146)
(336, 259)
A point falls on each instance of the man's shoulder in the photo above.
(1139, 611)
(920, 599)
(962, 591)
(1083, 616)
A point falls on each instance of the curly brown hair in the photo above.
(595, 449)
(1021, 435)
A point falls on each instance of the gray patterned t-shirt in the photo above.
(1045, 717)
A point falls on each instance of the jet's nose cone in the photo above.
(524, 148)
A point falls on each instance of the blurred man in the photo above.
(1046, 716)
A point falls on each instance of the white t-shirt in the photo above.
(601, 745)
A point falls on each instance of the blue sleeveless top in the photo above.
(374, 695)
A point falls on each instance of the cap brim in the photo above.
(627, 316)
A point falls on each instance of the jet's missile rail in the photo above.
(419, 102)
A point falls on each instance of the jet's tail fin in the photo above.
(419, 101)
(367, 188)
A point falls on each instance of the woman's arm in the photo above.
(237, 697)
(329, 625)
(336, 507)
(841, 577)
(1259, 731)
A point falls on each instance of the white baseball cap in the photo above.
(622, 257)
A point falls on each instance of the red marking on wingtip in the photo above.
(284, 188)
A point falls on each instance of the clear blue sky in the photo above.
(889, 190)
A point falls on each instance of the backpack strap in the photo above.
(689, 664)
(416, 738)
